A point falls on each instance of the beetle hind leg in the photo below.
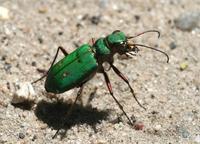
(63, 51)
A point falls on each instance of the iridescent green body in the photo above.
(81, 65)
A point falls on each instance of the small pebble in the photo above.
(154, 112)
(197, 139)
(79, 25)
(183, 132)
(172, 45)
(188, 21)
(40, 40)
(21, 136)
(101, 142)
(139, 126)
(183, 66)
(24, 93)
(3, 58)
(158, 127)
(4, 13)
(152, 96)
(4, 139)
(33, 63)
(7, 67)
(43, 9)
(115, 7)
(133, 118)
(4, 39)
(137, 18)
(34, 138)
(103, 3)
(95, 20)
(60, 33)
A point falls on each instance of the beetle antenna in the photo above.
(141, 45)
(155, 31)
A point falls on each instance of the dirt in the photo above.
(30, 36)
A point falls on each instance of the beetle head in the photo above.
(118, 42)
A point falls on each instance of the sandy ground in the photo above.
(29, 37)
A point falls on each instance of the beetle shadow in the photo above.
(54, 114)
(26, 105)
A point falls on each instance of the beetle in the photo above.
(76, 68)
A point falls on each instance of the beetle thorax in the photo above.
(102, 52)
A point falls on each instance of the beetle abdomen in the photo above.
(72, 70)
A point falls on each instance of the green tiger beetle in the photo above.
(78, 67)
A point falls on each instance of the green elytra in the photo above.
(72, 70)
(76, 68)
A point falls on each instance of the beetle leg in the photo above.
(91, 97)
(63, 51)
(79, 94)
(92, 41)
(70, 109)
(111, 93)
(126, 80)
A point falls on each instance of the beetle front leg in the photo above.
(111, 93)
(92, 41)
(63, 51)
(126, 80)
